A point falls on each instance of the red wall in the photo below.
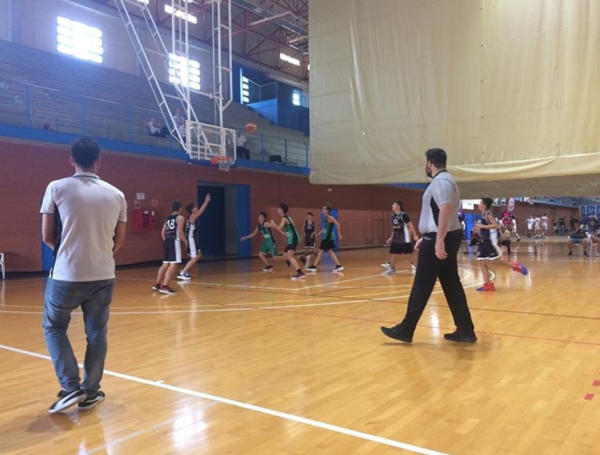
(26, 169)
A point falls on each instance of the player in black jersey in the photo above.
(173, 236)
(309, 239)
(192, 233)
(488, 247)
(402, 238)
(268, 249)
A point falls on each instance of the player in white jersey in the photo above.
(191, 227)
(513, 228)
(544, 224)
(530, 225)
(537, 227)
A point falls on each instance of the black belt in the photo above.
(433, 235)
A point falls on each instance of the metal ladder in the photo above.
(182, 95)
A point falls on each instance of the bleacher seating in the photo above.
(46, 90)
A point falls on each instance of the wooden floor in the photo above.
(242, 362)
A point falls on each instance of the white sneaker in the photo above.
(390, 271)
(413, 269)
(184, 276)
(338, 268)
(386, 265)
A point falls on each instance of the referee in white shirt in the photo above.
(442, 237)
(83, 221)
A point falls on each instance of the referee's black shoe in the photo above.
(460, 337)
(397, 333)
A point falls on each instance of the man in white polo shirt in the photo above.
(442, 236)
(83, 221)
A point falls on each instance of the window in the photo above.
(181, 14)
(183, 71)
(289, 59)
(78, 40)
(245, 90)
(296, 98)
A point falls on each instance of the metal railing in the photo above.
(39, 107)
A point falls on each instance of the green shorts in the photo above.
(268, 247)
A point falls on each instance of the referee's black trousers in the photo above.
(430, 268)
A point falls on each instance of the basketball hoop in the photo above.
(222, 162)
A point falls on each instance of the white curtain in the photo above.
(509, 88)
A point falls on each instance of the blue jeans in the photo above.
(60, 299)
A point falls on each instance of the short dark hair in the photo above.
(328, 207)
(263, 214)
(487, 201)
(284, 207)
(310, 213)
(190, 207)
(176, 205)
(399, 203)
(437, 157)
(85, 152)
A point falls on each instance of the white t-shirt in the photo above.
(441, 191)
(241, 140)
(88, 209)
(530, 221)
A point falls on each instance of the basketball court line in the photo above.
(273, 288)
(115, 442)
(255, 408)
(241, 308)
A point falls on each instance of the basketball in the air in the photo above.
(251, 127)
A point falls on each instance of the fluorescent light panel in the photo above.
(181, 14)
(289, 59)
(79, 40)
(183, 71)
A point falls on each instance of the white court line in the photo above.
(219, 310)
(333, 283)
(255, 408)
(247, 286)
(220, 285)
(468, 274)
(115, 442)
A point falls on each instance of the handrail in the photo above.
(298, 151)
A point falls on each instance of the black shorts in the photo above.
(172, 251)
(291, 247)
(327, 245)
(487, 251)
(401, 248)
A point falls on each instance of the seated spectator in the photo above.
(181, 129)
(578, 237)
(242, 151)
(154, 127)
(178, 117)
